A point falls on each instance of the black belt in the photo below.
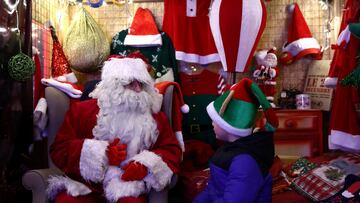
(196, 128)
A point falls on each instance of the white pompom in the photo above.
(185, 108)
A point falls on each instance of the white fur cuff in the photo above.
(115, 188)
(93, 160)
(58, 184)
(160, 174)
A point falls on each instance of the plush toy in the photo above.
(266, 73)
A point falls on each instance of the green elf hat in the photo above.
(236, 109)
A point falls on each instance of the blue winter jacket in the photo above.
(239, 171)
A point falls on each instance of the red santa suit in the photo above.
(187, 24)
(82, 154)
(345, 122)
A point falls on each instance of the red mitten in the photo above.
(134, 171)
(116, 152)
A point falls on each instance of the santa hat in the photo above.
(131, 67)
(143, 31)
(178, 108)
(59, 63)
(300, 42)
(235, 111)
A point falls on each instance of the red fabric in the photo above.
(116, 152)
(298, 27)
(63, 197)
(140, 199)
(78, 124)
(59, 63)
(143, 23)
(230, 20)
(39, 89)
(204, 83)
(134, 171)
(344, 117)
(244, 92)
(196, 155)
(178, 102)
(191, 35)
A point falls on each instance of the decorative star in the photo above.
(123, 53)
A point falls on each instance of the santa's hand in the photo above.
(116, 152)
(134, 171)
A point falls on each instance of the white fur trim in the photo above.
(270, 98)
(330, 82)
(64, 87)
(345, 141)
(179, 137)
(347, 194)
(270, 82)
(301, 44)
(93, 160)
(126, 69)
(58, 184)
(159, 172)
(115, 188)
(143, 40)
(344, 36)
(185, 108)
(195, 58)
(227, 127)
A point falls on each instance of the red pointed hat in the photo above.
(59, 63)
(143, 31)
(300, 42)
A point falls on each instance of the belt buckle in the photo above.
(194, 128)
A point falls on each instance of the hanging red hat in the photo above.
(178, 108)
(59, 64)
(237, 27)
(300, 42)
(143, 31)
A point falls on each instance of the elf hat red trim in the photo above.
(143, 31)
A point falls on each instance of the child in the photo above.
(239, 170)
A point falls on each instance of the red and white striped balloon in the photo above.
(237, 26)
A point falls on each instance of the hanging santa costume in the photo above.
(345, 122)
(187, 24)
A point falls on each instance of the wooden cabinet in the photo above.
(300, 133)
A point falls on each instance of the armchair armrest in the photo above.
(36, 181)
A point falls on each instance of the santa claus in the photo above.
(266, 73)
(116, 146)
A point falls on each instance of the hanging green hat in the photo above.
(236, 109)
(355, 29)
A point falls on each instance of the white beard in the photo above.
(126, 115)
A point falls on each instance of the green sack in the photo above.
(86, 46)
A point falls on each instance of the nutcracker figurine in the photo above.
(266, 73)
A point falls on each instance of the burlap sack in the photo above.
(85, 46)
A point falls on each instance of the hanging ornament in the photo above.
(237, 27)
(59, 64)
(20, 67)
(95, 3)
